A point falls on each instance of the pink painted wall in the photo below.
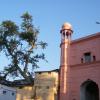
(81, 72)
(79, 47)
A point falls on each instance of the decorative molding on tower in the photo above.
(66, 32)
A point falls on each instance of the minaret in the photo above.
(66, 33)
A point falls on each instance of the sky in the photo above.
(49, 16)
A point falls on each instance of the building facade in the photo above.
(79, 67)
(25, 92)
(7, 93)
(46, 85)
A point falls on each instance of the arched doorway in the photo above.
(89, 91)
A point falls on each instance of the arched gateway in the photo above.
(89, 91)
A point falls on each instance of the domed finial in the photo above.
(66, 26)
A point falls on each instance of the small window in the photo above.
(13, 93)
(4, 92)
(20, 87)
(55, 85)
(94, 58)
(40, 73)
(64, 34)
(87, 57)
(47, 87)
(39, 87)
(81, 60)
(74, 99)
(49, 72)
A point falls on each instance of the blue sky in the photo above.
(49, 15)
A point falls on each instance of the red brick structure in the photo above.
(79, 67)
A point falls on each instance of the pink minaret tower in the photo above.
(66, 33)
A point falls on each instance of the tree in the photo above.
(19, 45)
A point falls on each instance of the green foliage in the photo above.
(19, 44)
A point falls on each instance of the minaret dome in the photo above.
(66, 30)
(66, 26)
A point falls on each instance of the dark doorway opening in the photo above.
(89, 91)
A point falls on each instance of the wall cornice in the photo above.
(86, 38)
(86, 64)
